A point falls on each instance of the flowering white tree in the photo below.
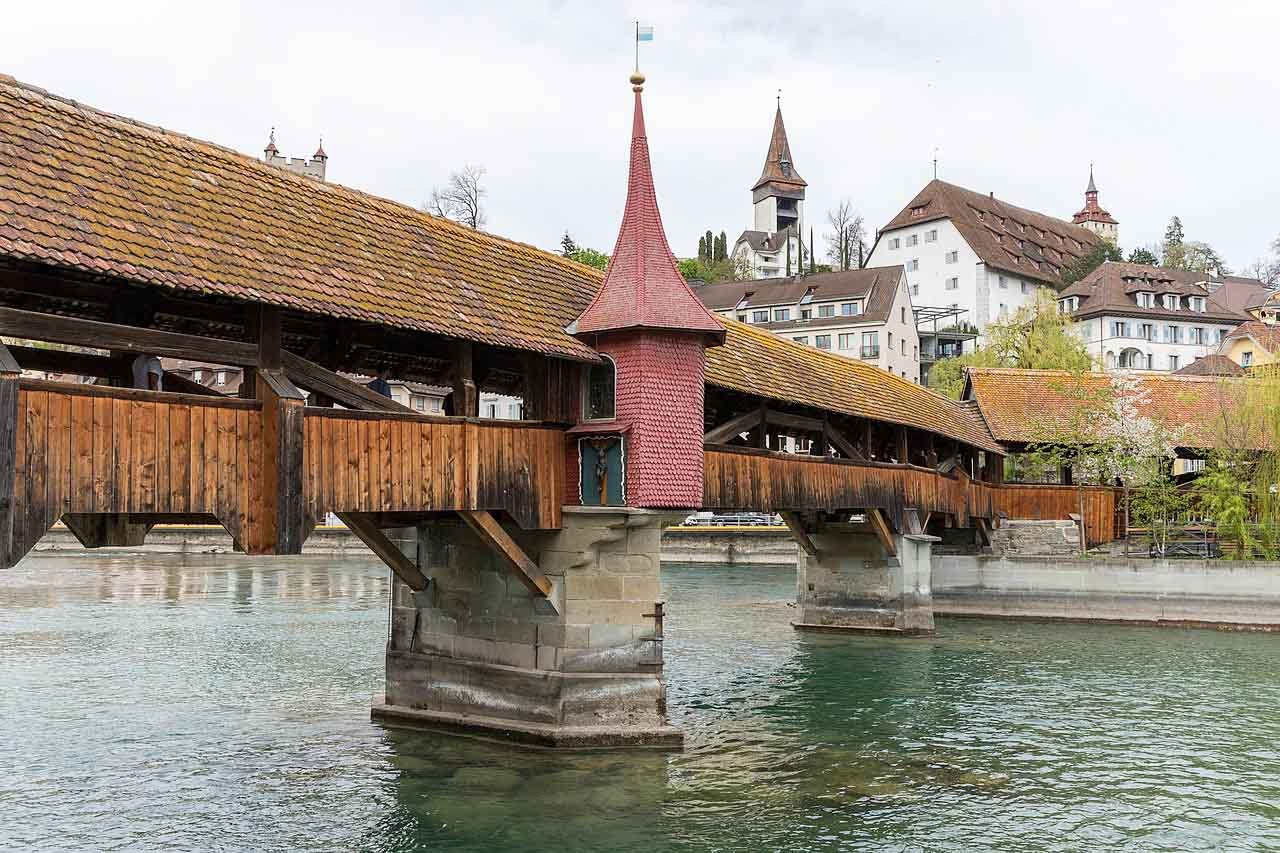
(1107, 437)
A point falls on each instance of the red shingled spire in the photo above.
(643, 288)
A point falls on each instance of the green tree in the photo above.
(1143, 255)
(590, 257)
(721, 252)
(567, 246)
(1099, 254)
(1035, 337)
(1174, 235)
(1176, 252)
(703, 254)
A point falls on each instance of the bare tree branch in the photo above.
(845, 237)
(462, 199)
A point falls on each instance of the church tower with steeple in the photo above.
(1093, 217)
(774, 246)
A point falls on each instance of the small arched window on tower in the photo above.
(598, 399)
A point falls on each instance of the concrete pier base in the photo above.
(477, 653)
(854, 585)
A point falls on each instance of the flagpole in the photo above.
(637, 45)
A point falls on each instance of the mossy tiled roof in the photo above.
(95, 193)
(754, 361)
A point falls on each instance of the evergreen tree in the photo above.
(702, 249)
(1143, 255)
(1173, 235)
(724, 248)
(567, 246)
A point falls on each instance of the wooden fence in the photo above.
(384, 462)
(1043, 502)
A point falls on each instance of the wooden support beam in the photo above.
(984, 530)
(884, 532)
(492, 534)
(99, 366)
(843, 444)
(466, 398)
(903, 448)
(762, 427)
(277, 514)
(351, 395)
(111, 336)
(731, 428)
(9, 373)
(265, 326)
(796, 525)
(106, 530)
(367, 532)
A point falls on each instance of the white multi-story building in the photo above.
(864, 314)
(970, 252)
(1136, 317)
(774, 246)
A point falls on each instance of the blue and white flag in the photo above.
(644, 33)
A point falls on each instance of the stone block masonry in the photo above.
(478, 653)
(852, 584)
(1209, 593)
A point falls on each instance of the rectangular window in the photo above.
(197, 376)
(742, 318)
(850, 309)
(846, 341)
(870, 344)
(913, 239)
(1173, 334)
(759, 316)
(1026, 288)
(826, 310)
(1222, 335)
(1198, 303)
(1144, 300)
(491, 410)
(1171, 301)
(903, 313)
(801, 339)
(1173, 362)
(913, 265)
(781, 315)
(806, 313)
(220, 378)
(931, 236)
(953, 257)
(915, 290)
(1147, 332)
(822, 341)
(1197, 335)
(891, 340)
(513, 411)
(953, 284)
(902, 345)
(1246, 359)
(1004, 285)
(894, 242)
(419, 402)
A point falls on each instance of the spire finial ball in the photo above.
(637, 80)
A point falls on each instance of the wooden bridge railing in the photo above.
(389, 462)
(112, 462)
(746, 478)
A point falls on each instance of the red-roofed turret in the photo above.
(640, 443)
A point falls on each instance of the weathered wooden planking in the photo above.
(1048, 502)
(750, 479)
(396, 464)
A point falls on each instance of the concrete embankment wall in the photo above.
(1225, 593)
(202, 539)
(712, 547)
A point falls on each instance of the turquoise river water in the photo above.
(221, 703)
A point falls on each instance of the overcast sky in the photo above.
(1176, 103)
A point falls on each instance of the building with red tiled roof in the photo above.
(1252, 344)
(1027, 407)
(975, 253)
(1211, 365)
(864, 314)
(1138, 317)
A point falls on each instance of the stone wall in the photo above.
(852, 584)
(478, 650)
(1177, 592)
(708, 546)
(1036, 538)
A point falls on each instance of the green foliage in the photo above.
(1157, 507)
(1176, 252)
(1035, 337)
(567, 246)
(590, 257)
(1090, 261)
(702, 249)
(1143, 255)
(702, 270)
(1222, 496)
(1174, 235)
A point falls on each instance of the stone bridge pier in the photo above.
(478, 652)
(851, 578)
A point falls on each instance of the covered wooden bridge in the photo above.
(118, 239)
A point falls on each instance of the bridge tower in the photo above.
(567, 650)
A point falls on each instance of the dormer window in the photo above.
(742, 303)
(1171, 301)
(919, 210)
(1197, 303)
(1146, 300)
(1070, 304)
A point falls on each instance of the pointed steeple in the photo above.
(1091, 188)
(271, 150)
(779, 168)
(643, 288)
